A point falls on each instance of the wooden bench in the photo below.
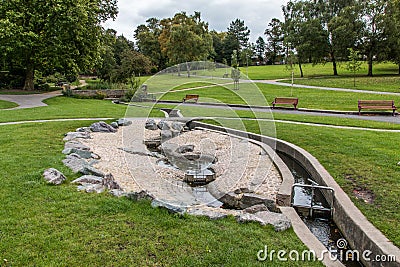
(376, 105)
(188, 97)
(285, 101)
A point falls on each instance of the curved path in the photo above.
(277, 82)
(29, 101)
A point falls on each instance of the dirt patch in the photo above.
(360, 191)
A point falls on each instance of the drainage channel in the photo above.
(319, 222)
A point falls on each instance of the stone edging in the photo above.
(359, 232)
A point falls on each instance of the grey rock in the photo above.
(74, 135)
(163, 125)
(278, 220)
(76, 144)
(211, 214)
(83, 129)
(256, 208)
(117, 193)
(86, 154)
(249, 199)
(124, 122)
(177, 126)
(88, 179)
(103, 127)
(136, 196)
(91, 188)
(114, 124)
(174, 133)
(109, 182)
(89, 170)
(237, 191)
(151, 125)
(75, 163)
(173, 208)
(246, 190)
(185, 149)
(230, 199)
(165, 135)
(54, 176)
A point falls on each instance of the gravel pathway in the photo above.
(29, 101)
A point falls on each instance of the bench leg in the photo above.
(295, 106)
(359, 112)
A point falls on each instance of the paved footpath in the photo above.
(29, 101)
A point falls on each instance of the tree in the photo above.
(392, 31)
(132, 64)
(303, 33)
(373, 38)
(147, 41)
(354, 63)
(185, 38)
(260, 48)
(340, 21)
(53, 35)
(274, 34)
(237, 38)
(218, 45)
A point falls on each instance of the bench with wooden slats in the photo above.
(376, 105)
(285, 101)
(189, 97)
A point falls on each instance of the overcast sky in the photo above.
(218, 13)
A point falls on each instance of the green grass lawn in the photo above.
(308, 98)
(272, 72)
(377, 83)
(43, 225)
(7, 104)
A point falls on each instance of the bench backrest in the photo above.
(191, 96)
(286, 100)
(376, 103)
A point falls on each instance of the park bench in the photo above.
(188, 97)
(285, 101)
(376, 105)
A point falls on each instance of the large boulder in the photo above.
(75, 144)
(75, 163)
(88, 179)
(109, 182)
(54, 176)
(89, 170)
(151, 125)
(230, 200)
(102, 127)
(211, 214)
(136, 196)
(74, 135)
(249, 199)
(124, 122)
(173, 208)
(278, 220)
(91, 188)
(86, 154)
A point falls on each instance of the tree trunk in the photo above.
(370, 64)
(399, 68)
(334, 65)
(29, 76)
(301, 70)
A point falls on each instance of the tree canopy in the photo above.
(52, 35)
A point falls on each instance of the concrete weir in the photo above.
(360, 233)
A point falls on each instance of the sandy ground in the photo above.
(240, 164)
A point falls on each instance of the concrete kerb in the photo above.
(360, 233)
(308, 237)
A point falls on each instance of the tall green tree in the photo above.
(341, 22)
(260, 48)
(274, 33)
(373, 39)
(53, 35)
(304, 33)
(147, 41)
(392, 31)
(185, 38)
(237, 38)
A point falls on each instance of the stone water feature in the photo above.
(117, 160)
